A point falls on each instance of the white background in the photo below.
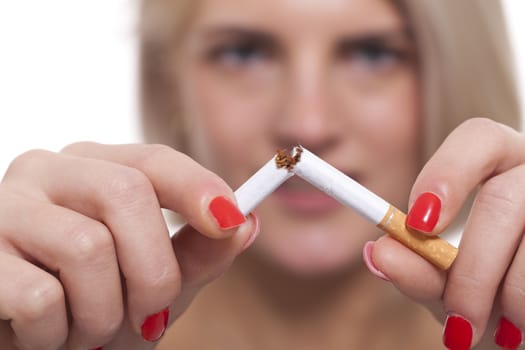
(68, 72)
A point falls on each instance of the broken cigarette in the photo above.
(384, 215)
(260, 185)
(347, 191)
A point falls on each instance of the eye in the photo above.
(242, 53)
(372, 54)
(375, 54)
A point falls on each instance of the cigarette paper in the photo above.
(260, 185)
(385, 216)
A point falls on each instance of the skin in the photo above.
(257, 76)
(93, 211)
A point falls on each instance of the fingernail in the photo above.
(155, 325)
(457, 334)
(255, 233)
(367, 257)
(100, 348)
(226, 213)
(424, 214)
(507, 335)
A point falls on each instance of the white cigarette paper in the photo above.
(260, 185)
(341, 187)
(347, 191)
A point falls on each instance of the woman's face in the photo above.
(336, 76)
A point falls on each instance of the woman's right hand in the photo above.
(85, 256)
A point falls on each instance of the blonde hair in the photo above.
(465, 57)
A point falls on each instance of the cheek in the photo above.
(388, 139)
(391, 120)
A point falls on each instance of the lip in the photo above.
(299, 197)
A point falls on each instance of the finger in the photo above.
(476, 150)
(80, 252)
(491, 237)
(124, 200)
(181, 184)
(409, 272)
(127, 338)
(513, 302)
(203, 259)
(34, 304)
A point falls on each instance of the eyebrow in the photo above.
(389, 35)
(398, 36)
(219, 32)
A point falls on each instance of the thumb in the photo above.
(202, 259)
(406, 270)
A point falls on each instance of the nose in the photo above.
(305, 114)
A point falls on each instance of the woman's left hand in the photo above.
(483, 293)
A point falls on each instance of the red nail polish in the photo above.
(425, 212)
(226, 213)
(100, 348)
(507, 335)
(155, 325)
(457, 334)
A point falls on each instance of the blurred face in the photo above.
(336, 76)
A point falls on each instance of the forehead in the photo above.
(353, 15)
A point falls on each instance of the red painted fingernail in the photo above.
(100, 348)
(155, 325)
(226, 213)
(507, 335)
(367, 257)
(457, 334)
(425, 212)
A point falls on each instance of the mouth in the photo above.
(298, 197)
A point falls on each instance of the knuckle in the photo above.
(470, 285)
(127, 187)
(43, 298)
(497, 196)
(166, 279)
(481, 124)
(156, 151)
(26, 162)
(90, 240)
(488, 130)
(73, 148)
(512, 291)
(150, 154)
(513, 287)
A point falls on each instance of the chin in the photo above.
(317, 265)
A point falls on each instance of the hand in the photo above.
(487, 280)
(85, 256)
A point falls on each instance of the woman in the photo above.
(371, 86)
